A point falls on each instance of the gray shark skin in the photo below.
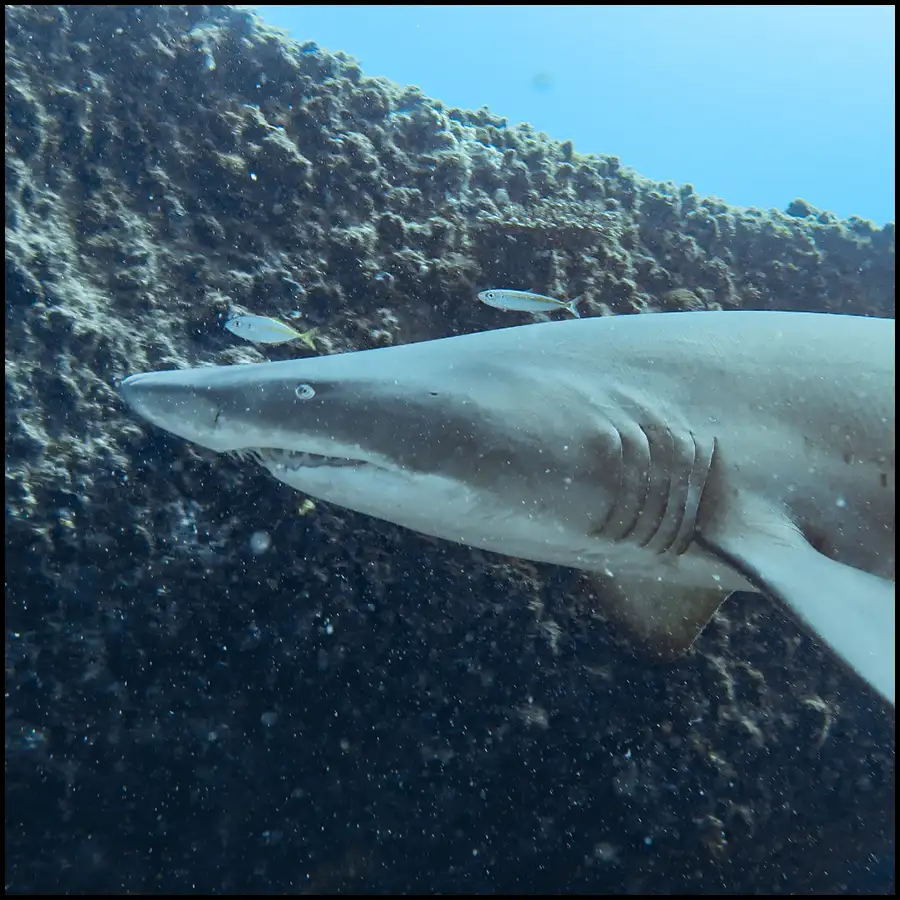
(676, 456)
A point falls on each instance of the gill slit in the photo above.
(662, 476)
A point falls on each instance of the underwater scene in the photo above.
(403, 498)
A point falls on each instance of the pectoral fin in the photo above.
(851, 610)
(665, 618)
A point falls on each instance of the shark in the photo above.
(676, 457)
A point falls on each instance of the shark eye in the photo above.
(305, 391)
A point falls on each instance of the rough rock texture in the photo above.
(360, 708)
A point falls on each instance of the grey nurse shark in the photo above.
(677, 456)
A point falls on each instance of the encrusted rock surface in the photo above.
(360, 708)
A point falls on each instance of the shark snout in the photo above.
(139, 392)
(157, 394)
(137, 389)
(171, 401)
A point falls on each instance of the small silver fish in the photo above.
(263, 330)
(526, 301)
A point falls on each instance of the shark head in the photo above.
(428, 436)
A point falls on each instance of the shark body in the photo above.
(677, 456)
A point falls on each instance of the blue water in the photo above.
(756, 105)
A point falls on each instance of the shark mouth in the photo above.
(274, 458)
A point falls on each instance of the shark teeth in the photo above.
(292, 459)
